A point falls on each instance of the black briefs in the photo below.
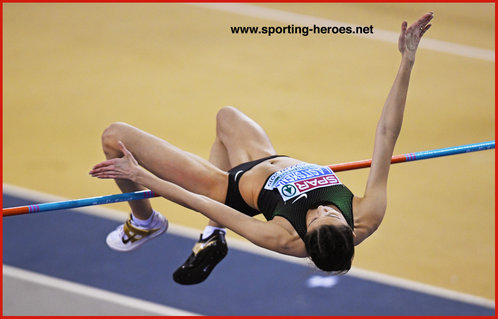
(234, 199)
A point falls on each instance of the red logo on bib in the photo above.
(311, 183)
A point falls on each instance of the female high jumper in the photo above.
(309, 212)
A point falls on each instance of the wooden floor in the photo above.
(72, 69)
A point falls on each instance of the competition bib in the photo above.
(301, 178)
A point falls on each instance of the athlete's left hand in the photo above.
(125, 167)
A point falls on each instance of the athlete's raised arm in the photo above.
(370, 209)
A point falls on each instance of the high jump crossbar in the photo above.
(124, 197)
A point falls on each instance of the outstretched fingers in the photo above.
(106, 175)
(118, 168)
(422, 25)
(103, 169)
(104, 164)
(402, 35)
(403, 27)
(423, 30)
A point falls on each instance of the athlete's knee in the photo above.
(227, 113)
(111, 135)
(225, 120)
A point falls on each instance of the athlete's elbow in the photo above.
(283, 245)
(387, 131)
(200, 203)
(375, 221)
(374, 226)
(271, 241)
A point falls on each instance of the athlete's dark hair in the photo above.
(331, 248)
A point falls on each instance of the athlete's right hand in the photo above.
(125, 167)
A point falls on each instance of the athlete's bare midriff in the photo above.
(252, 181)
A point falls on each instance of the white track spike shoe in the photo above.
(128, 236)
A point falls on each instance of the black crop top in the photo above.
(291, 192)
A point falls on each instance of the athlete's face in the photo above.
(325, 215)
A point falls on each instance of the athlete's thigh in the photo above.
(244, 139)
(170, 162)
